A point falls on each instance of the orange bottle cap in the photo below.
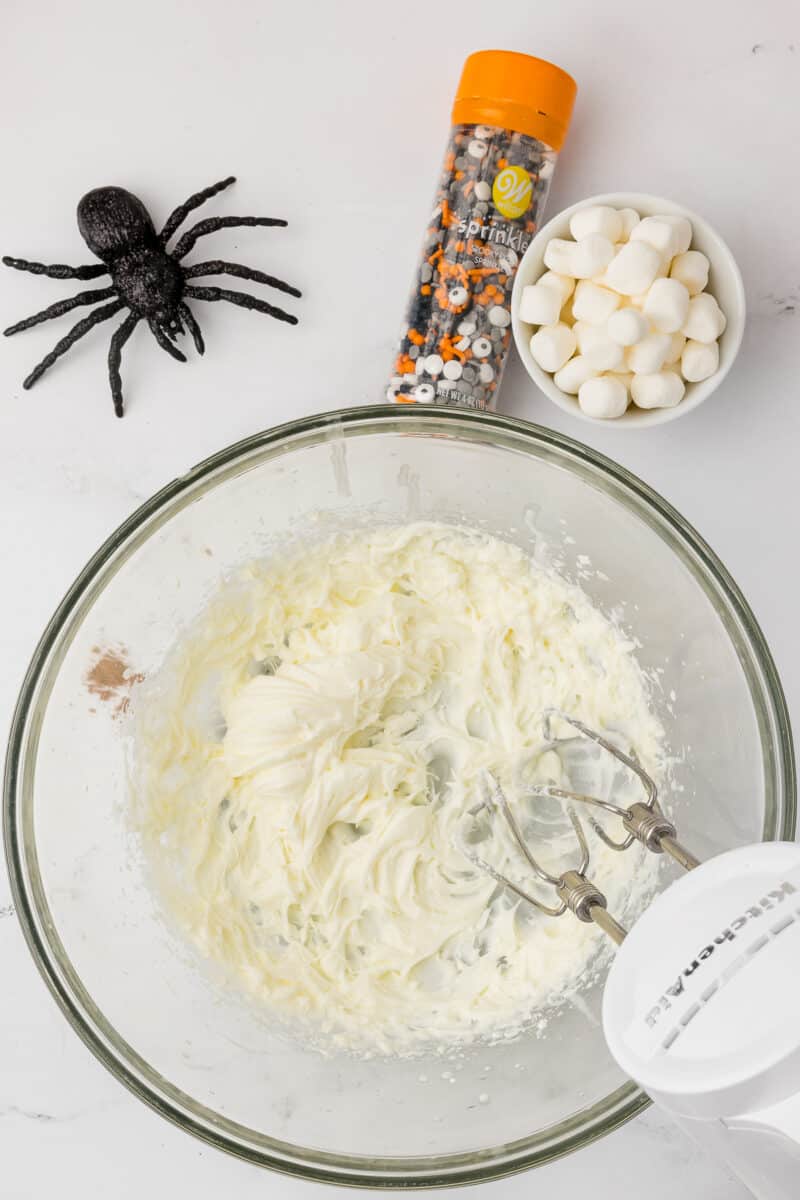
(516, 91)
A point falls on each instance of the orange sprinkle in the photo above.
(425, 290)
(400, 399)
(405, 365)
(416, 337)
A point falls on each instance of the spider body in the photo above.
(147, 279)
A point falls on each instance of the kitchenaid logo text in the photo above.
(500, 235)
(729, 934)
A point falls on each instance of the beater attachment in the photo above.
(574, 890)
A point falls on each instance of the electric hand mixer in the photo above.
(702, 1001)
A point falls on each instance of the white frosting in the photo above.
(307, 825)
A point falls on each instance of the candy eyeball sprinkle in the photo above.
(424, 392)
(621, 313)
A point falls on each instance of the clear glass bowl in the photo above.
(205, 1058)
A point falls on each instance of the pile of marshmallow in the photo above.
(622, 311)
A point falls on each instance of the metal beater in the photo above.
(643, 821)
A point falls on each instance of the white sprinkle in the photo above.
(499, 316)
(452, 369)
(433, 364)
(482, 190)
(486, 373)
(481, 347)
(477, 149)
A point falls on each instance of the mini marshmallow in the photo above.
(633, 269)
(573, 374)
(594, 303)
(663, 389)
(560, 256)
(667, 305)
(604, 397)
(591, 256)
(630, 219)
(625, 378)
(540, 305)
(597, 218)
(552, 345)
(699, 360)
(597, 347)
(563, 284)
(691, 269)
(681, 231)
(627, 326)
(706, 320)
(676, 343)
(657, 232)
(648, 355)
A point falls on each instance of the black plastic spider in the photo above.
(145, 277)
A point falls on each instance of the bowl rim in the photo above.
(39, 930)
(734, 332)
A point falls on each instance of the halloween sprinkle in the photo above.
(458, 322)
(509, 119)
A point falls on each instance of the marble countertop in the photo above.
(335, 116)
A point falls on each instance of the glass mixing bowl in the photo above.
(205, 1058)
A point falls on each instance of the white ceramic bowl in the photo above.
(724, 283)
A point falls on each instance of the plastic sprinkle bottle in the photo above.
(510, 118)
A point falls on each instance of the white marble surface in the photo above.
(335, 116)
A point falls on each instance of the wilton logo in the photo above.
(512, 191)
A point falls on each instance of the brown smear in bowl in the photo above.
(110, 678)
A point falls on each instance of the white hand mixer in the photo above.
(702, 1002)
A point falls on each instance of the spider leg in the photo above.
(165, 343)
(118, 340)
(242, 299)
(211, 224)
(59, 271)
(217, 267)
(193, 327)
(180, 214)
(83, 326)
(60, 307)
